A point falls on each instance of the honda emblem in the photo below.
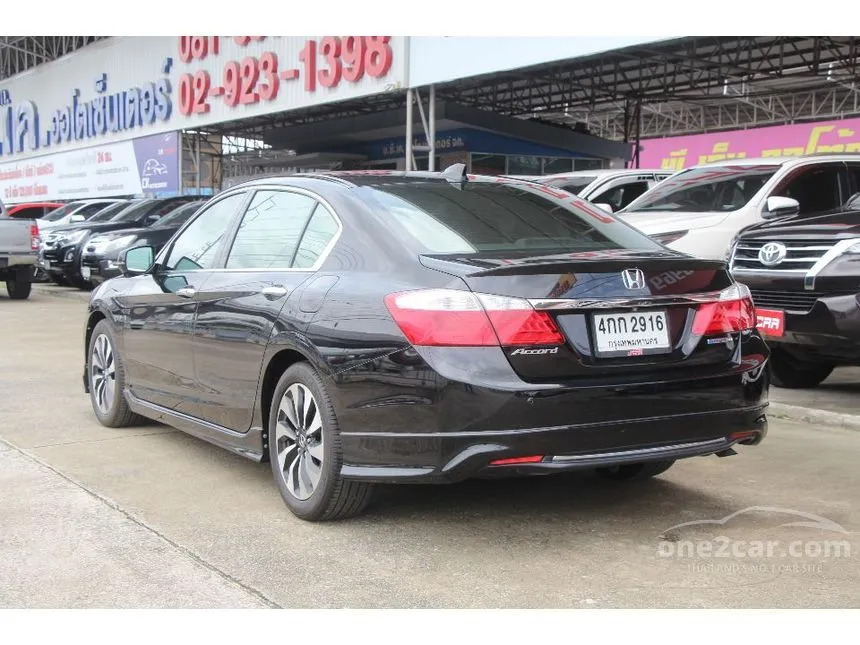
(633, 278)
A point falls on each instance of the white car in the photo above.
(611, 189)
(73, 213)
(700, 210)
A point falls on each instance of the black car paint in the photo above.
(426, 413)
(70, 270)
(830, 330)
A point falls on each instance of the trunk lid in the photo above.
(612, 323)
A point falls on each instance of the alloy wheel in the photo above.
(103, 373)
(299, 441)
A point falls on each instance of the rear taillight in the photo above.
(733, 312)
(34, 237)
(447, 317)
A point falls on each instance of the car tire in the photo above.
(20, 285)
(635, 472)
(305, 450)
(106, 380)
(788, 372)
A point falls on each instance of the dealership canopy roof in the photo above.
(20, 53)
(675, 86)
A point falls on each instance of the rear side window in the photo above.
(270, 231)
(496, 217)
(620, 196)
(320, 231)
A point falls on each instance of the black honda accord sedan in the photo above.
(367, 327)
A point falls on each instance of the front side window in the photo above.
(197, 246)
(270, 231)
(815, 189)
(498, 218)
(620, 196)
(706, 189)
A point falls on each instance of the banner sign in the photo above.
(146, 166)
(125, 88)
(676, 153)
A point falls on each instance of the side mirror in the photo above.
(780, 207)
(607, 207)
(136, 261)
(74, 219)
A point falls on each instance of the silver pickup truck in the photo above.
(19, 250)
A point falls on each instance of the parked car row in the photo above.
(84, 254)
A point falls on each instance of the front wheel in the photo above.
(790, 372)
(635, 472)
(106, 376)
(305, 450)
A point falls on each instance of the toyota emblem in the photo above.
(772, 253)
(633, 278)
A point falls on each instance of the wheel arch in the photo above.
(279, 363)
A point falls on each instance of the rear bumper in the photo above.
(452, 457)
(426, 427)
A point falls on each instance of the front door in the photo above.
(280, 241)
(161, 310)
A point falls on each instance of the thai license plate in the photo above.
(85, 273)
(770, 322)
(631, 333)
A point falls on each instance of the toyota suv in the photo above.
(804, 275)
(700, 210)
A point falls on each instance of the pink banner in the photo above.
(675, 153)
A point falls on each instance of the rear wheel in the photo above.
(18, 287)
(305, 450)
(790, 372)
(635, 472)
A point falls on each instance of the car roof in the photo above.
(603, 172)
(354, 178)
(779, 161)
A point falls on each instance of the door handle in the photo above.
(186, 292)
(273, 293)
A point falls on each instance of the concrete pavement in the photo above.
(150, 517)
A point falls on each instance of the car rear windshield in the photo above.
(706, 189)
(482, 217)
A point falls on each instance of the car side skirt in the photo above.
(248, 444)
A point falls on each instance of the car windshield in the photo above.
(61, 212)
(179, 216)
(107, 213)
(134, 211)
(570, 184)
(497, 218)
(706, 189)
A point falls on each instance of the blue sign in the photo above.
(82, 120)
(468, 139)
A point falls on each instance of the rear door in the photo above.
(280, 240)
